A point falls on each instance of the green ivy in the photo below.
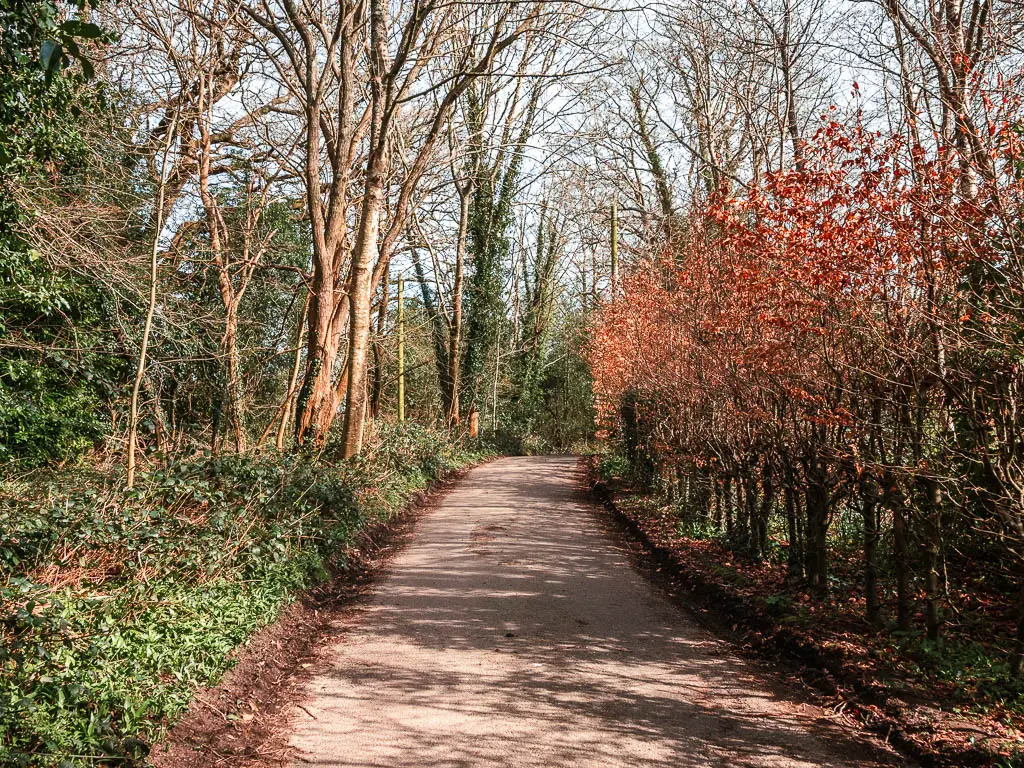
(56, 375)
(165, 581)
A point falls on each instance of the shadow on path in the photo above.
(514, 632)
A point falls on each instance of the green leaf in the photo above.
(83, 29)
(50, 55)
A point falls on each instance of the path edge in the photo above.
(239, 722)
(730, 618)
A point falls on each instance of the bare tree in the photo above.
(391, 79)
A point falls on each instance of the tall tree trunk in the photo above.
(739, 527)
(795, 554)
(892, 499)
(377, 387)
(657, 168)
(933, 579)
(359, 312)
(317, 405)
(147, 328)
(289, 398)
(281, 414)
(792, 117)
(727, 498)
(233, 388)
(817, 503)
(366, 253)
(230, 295)
(869, 513)
(718, 506)
(794, 559)
(751, 497)
(764, 511)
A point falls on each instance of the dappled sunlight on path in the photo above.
(513, 631)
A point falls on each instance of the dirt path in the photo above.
(514, 631)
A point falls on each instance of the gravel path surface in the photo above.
(513, 631)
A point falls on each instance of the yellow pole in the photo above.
(401, 353)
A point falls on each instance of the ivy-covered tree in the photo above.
(53, 381)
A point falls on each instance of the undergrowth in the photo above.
(968, 671)
(116, 605)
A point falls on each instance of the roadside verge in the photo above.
(240, 721)
(707, 589)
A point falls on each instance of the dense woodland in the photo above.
(768, 252)
(264, 267)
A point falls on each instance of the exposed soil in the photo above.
(238, 722)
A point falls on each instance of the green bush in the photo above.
(614, 466)
(58, 360)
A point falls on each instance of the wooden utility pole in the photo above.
(615, 248)
(401, 352)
